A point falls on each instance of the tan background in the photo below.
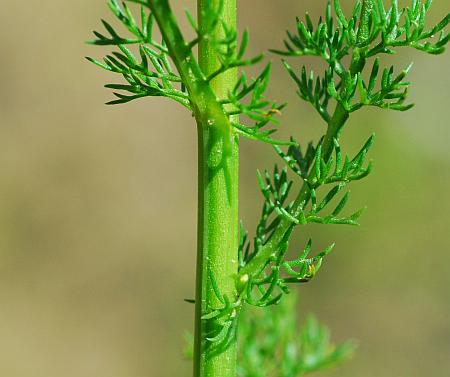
(97, 208)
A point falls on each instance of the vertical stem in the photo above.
(218, 208)
(218, 162)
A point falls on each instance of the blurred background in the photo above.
(97, 209)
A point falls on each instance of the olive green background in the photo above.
(98, 205)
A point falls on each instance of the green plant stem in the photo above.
(217, 249)
(218, 209)
(218, 169)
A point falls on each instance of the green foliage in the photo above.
(158, 72)
(267, 284)
(261, 111)
(273, 346)
(371, 30)
(150, 75)
(346, 86)
(370, 26)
